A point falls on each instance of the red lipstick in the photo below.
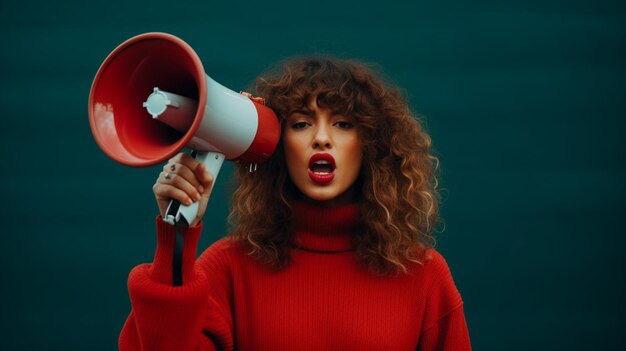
(322, 168)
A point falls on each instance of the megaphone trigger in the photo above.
(179, 214)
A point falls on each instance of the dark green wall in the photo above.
(525, 101)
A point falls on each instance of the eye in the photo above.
(299, 125)
(344, 124)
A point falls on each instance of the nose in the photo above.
(322, 139)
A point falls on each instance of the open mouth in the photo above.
(322, 168)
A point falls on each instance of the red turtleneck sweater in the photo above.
(323, 300)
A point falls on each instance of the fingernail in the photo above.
(188, 202)
(201, 189)
(197, 197)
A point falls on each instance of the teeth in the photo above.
(322, 167)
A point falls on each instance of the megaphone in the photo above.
(151, 98)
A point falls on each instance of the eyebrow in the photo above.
(303, 112)
(310, 113)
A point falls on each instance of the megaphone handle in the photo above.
(179, 214)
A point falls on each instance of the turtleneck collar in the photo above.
(325, 229)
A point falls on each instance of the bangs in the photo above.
(336, 86)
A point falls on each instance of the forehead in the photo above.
(317, 112)
(316, 104)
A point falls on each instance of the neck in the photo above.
(324, 228)
(348, 197)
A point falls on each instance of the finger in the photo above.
(166, 191)
(182, 158)
(185, 172)
(205, 178)
(177, 157)
(179, 182)
(188, 160)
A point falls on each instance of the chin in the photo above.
(331, 196)
(320, 196)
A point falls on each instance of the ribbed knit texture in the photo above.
(323, 300)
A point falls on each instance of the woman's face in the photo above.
(323, 154)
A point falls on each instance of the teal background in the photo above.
(524, 100)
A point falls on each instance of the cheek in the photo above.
(291, 149)
(356, 164)
(356, 149)
(355, 158)
(287, 144)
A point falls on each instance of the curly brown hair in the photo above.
(398, 195)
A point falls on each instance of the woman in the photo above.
(331, 246)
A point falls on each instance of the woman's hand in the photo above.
(186, 180)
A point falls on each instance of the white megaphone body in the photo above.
(151, 98)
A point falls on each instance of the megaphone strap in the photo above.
(177, 260)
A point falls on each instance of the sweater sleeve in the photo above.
(167, 317)
(444, 326)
